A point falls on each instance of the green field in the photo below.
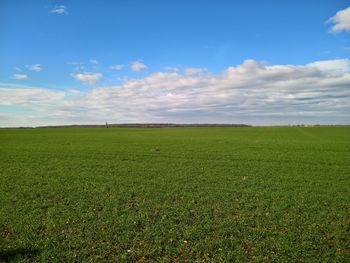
(277, 194)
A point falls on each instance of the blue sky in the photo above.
(73, 50)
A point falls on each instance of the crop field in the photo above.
(278, 194)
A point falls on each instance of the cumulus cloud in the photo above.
(341, 21)
(93, 61)
(34, 67)
(138, 66)
(87, 77)
(117, 67)
(252, 92)
(59, 10)
(20, 76)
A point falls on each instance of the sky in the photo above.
(256, 62)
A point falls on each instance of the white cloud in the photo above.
(93, 61)
(34, 67)
(87, 77)
(193, 71)
(341, 21)
(28, 96)
(138, 66)
(335, 66)
(117, 67)
(59, 10)
(251, 92)
(20, 76)
(18, 69)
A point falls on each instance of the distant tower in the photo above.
(107, 125)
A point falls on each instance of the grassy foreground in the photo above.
(175, 194)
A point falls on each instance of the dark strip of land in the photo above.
(146, 125)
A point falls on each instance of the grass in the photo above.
(277, 194)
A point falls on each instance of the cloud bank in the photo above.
(251, 92)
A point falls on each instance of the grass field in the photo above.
(277, 194)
